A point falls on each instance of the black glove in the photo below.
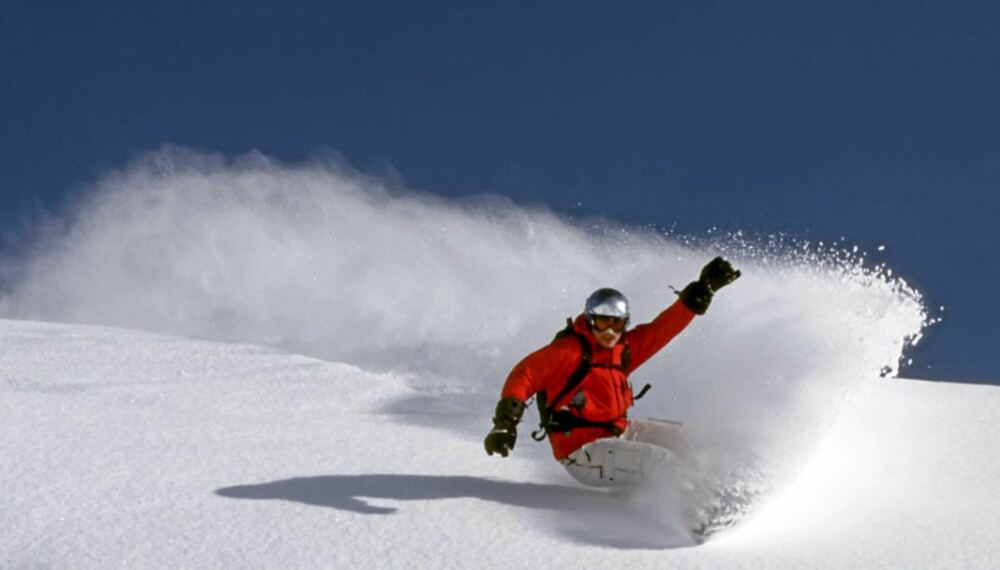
(714, 276)
(719, 273)
(503, 436)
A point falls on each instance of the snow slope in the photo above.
(320, 353)
(126, 448)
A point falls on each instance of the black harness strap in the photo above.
(564, 421)
(581, 371)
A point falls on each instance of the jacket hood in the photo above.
(581, 326)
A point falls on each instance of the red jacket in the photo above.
(607, 390)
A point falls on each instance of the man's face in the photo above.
(608, 330)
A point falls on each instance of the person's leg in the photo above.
(615, 462)
(657, 432)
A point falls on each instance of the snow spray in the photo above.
(319, 259)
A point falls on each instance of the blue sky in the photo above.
(877, 122)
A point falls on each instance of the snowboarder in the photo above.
(581, 385)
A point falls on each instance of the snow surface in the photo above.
(126, 448)
(248, 364)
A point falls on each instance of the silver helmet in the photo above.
(606, 302)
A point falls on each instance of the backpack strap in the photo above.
(564, 421)
(581, 371)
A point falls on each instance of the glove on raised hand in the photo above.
(503, 436)
(714, 276)
(718, 273)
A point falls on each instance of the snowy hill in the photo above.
(322, 353)
(127, 448)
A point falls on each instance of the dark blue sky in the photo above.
(878, 122)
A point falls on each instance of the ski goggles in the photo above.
(617, 324)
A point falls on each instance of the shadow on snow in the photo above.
(347, 492)
(584, 515)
